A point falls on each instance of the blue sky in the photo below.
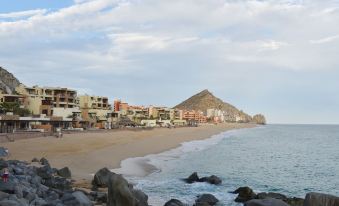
(279, 58)
(19, 5)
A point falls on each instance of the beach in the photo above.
(85, 153)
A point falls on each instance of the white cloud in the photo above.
(23, 14)
(325, 40)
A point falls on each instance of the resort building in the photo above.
(51, 101)
(96, 111)
(196, 116)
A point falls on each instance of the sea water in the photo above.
(288, 159)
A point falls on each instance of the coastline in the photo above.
(85, 153)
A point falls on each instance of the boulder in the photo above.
(273, 195)
(9, 203)
(59, 183)
(206, 198)
(3, 195)
(119, 193)
(44, 161)
(318, 199)
(3, 164)
(82, 199)
(295, 201)
(140, 196)
(244, 194)
(64, 172)
(214, 180)
(193, 178)
(266, 202)
(101, 177)
(8, 187)
(45, 172)
(35, 160)
(174, 202)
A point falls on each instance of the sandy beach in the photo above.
(85, 153)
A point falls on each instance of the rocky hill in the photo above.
(206, 100)
(8, 81)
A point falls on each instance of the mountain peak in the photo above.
(205, 100)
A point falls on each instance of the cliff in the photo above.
(8, 82)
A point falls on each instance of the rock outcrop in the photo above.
(318, 199)
(259, 119)
(244, 194)
(174, 202)
(266, 202)
(8, 82)
(38, 186)
(206, 200)
(214, 180)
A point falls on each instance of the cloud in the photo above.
(241, 49)
(23, 14)
(325, 40)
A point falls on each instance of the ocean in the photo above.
(288, 159)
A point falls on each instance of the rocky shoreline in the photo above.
(38, 184)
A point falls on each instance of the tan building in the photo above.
(51, 101)
(96, 110)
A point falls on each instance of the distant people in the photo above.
(5, 175)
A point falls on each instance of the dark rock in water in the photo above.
(244, 194)
(318, 199)
(174, 202)
(273, 195)
(35, 159)
(206, 198)
(44, 161)
(82, 199)
(193, 178)
(101, 177)
(294, 201)
(64, 172)
(211, 179)
(266, 202)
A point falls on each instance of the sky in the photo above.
(276, 57)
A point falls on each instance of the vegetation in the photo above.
(15, 108)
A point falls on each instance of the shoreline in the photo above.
(86, 153)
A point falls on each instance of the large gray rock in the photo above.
(273, 195)
(206, 199)
(9, 203)
(82, 199)
(318, 199)
(174, 202)
(266, 202)
(120, 193)
(244, 194)
(65, 172)
(101, 177)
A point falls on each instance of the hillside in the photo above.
(8, 81)
(206, 100)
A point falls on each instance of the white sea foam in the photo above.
(142, 166)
